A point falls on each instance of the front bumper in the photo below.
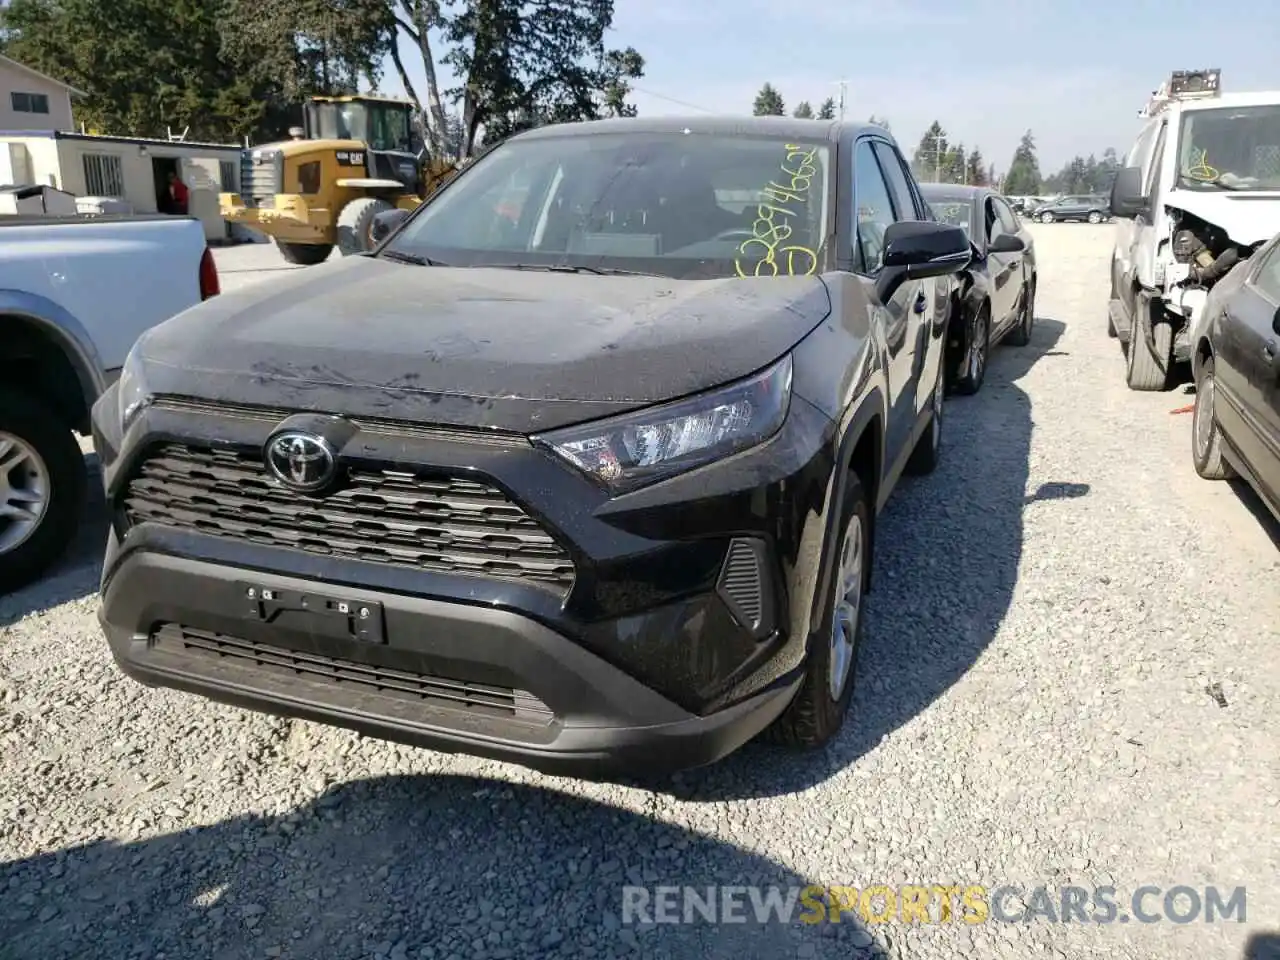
(645, 663)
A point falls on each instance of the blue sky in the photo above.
(986, 70)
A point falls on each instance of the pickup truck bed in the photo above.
(76, 292)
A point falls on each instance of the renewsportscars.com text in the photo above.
(932, 904)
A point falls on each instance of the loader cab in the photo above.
(384, 125)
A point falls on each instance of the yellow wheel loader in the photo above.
(354, 157)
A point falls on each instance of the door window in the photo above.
(994, 227)
(873, 210)
(1157, 160)
(1268, 279)
(904, 206)
(1008, 222)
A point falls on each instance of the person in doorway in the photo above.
(176, 194)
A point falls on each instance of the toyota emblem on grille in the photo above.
(302, 461)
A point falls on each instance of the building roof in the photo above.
(10, 62)
(100, 138)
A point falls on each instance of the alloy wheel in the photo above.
(978, 350)
(848, 608)
(24, 491)
(1202, 418)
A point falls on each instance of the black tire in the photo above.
(927, 454)
(814, 717)
(977, 350)
(355, 224)
(304, 254)
(38, 428)
(1143, 370)
(1020, 335)
(1206, 439)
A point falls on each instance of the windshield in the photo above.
(677, 205)
(952, 210)
(389, 127)
(1230, 148)
(341, 121)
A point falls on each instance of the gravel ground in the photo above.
(1032, 709)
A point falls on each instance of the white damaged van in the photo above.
(1199, 192)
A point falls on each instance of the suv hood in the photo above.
(475, 347)
(1248, 218)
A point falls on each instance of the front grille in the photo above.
(427, 522)
(260, 181)
(268, 661)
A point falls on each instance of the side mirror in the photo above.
(1006, 243)
(385, 223)
(915, 249)
(1127, 198)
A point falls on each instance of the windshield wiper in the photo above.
(566, 268)
(399, 256)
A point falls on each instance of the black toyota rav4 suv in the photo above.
(579, 468)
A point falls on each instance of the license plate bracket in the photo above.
(327, 614)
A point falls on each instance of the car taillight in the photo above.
(208, 276)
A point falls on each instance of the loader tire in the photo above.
(355, 224)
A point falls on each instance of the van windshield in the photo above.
(1230, 148)
(676, 205)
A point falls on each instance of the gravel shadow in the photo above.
(77, 574)
(402, 866)
(947, 553)
(1262, 946)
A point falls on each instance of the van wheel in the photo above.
(42, 489)
(355, 224)
(304, 254)
(817, 713)
(1147, 366)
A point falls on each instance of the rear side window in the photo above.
(904, 204)
(1268, 280)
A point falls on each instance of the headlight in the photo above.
(650, 445)
(131, 390)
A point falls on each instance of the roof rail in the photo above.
(1184, 85)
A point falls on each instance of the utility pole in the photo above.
(843, 86)
(938, 140)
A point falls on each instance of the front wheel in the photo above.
(1095, 216)
(817, 713)
(1206, 439)
(1147, 364)
(42, 489)
(1046, 218)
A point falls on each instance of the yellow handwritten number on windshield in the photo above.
(772, 227)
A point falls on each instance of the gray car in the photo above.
(1077, 207)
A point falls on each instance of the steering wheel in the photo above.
(735, 233)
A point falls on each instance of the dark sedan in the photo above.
(994, 299)
(580, 468)
(1087, 208)
(1236, 363)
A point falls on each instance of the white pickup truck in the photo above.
(75, 293)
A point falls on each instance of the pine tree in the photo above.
(976, 169)
(1023, 178)
(928, 160)
(803, 110)
(769, 103)
(828, 109)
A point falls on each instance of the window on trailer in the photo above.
(103, 175)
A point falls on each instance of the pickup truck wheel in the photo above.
(817, 713)
(1206, 440)
(1143, 369)
(977, 347)
(926, 456)
(355, 224)
(42, 489)
(304, 254)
